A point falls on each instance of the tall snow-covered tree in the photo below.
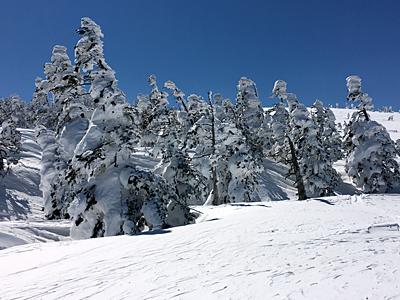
(113, 195)
(65, 85)
(221, 147)
(312, 150)
(370, 159)
(300, 143)
(284, 150)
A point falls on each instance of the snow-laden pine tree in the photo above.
(370, 152)
(178, 170)
(10, 145)
(222, 150)
(41, 111)
(176, 165)
(155, 114)
(300, 144)
(312, 150)
(283, 149)
(14, 108)
(65, 85)
(249, 115)
(113, 195)
(331, 140)
(38, 107)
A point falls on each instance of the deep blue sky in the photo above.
(209, 44)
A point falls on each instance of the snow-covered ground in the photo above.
(342, 247)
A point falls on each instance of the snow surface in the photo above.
(342, 247)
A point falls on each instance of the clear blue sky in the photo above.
(209, 44)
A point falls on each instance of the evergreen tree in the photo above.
(312, 150)
(42, 112)
(65, 85)
(331, 140)
(370, 157)
(156, 116)
(113, 196)
(177, 169)
(10, 145)
(221, 146)
(249, 115)
(14, 108)
(300, 143)
(284, 148)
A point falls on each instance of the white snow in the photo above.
(341, 247)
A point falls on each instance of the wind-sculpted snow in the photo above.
(315, 249)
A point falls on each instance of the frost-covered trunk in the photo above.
(301, 192)
(216, 200)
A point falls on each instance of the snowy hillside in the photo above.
(342, 247)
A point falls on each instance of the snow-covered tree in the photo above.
(177, 169)
(317, 148)
(301, 144)
(221, 148)
(155, 114)
(284, 150)
(10, 145)
(72, 122)
(331, 140)
(113, 195)
(14, 108)
(249, 115)
(41, 111)
(370, 160)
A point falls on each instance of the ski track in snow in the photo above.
(343, 247)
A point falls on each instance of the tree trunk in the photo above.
(214, 169)
(365, 114)
(299, 180)
(215, 187)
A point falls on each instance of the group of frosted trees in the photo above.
(209, 150)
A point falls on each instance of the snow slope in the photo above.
(316, 249)
(343, 247)
(21, 217)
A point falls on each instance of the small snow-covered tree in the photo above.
(42, 112)
(177, 169)
(10, 145)
(249, 115)
(331, 140)
(317, 146)
(156, 116)
(370, 159)
(14, 108)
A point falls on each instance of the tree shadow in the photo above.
(152, 232)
